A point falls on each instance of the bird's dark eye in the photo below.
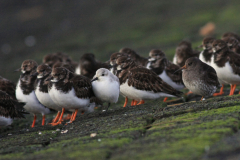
(102, 74)
(190, 63)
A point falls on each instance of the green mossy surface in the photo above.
(192, 130)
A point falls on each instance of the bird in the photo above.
(206, 57)
(206, 54)
(25, 90)
(9, 109)
(88, 65)
(183, 52)
(51, 59)
(165, 69)
(230, 34)
(113, 59)
(70, 91)
(140, 83)
(8, 86)
(134, 56)
(232, 43)
(200, 77)
(106, 86)
(41, 89)
(226, 63)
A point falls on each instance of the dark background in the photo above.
(30, 29)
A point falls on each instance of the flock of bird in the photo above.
(63, 85)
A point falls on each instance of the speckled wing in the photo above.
(234, 60)
(144, 79)
(9, 107)
(82, 86)
(171, 72)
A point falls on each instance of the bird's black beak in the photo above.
(110, 66)
(184, 67)
(34, 74)
(94, 79)
(18, 70)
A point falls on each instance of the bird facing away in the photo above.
(199, 77)
(142, 61)
(165, 69)
(140, 83)
(25, 91)
(106, 86)
(226, 63)
(183, 52)
(88, 65)
(70, 91)
(41, 90)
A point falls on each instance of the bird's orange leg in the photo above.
(233, 89)
(190, 92)
(56, 118)
(74, 116)
(34, 120)
(132, 102)
(135, 102)
(60, 119)
(141, 102)
(220, 93)
(202, 98)
(126, 101)
(43, 120)
(165, 99)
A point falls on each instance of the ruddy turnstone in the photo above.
(41, 90)
(68, 66)
(134, 56)
(9, 109)
(70, 91)
(183, 52)
(51, 59)
(231, 34)
(8, 86)
(106, 86)
(88, 65)
(140, 83)
(226, 63)
(25, 91)
(165, 69)
(233, 44)
(206, 55)
(113, 60)
(199, 77)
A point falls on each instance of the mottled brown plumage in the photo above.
(223, 55)
(134, 56)
(206, 55)
(159, 63)
(233, 44)
(141, 78)
(27, 78)
(10, 107)
(66, 81)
